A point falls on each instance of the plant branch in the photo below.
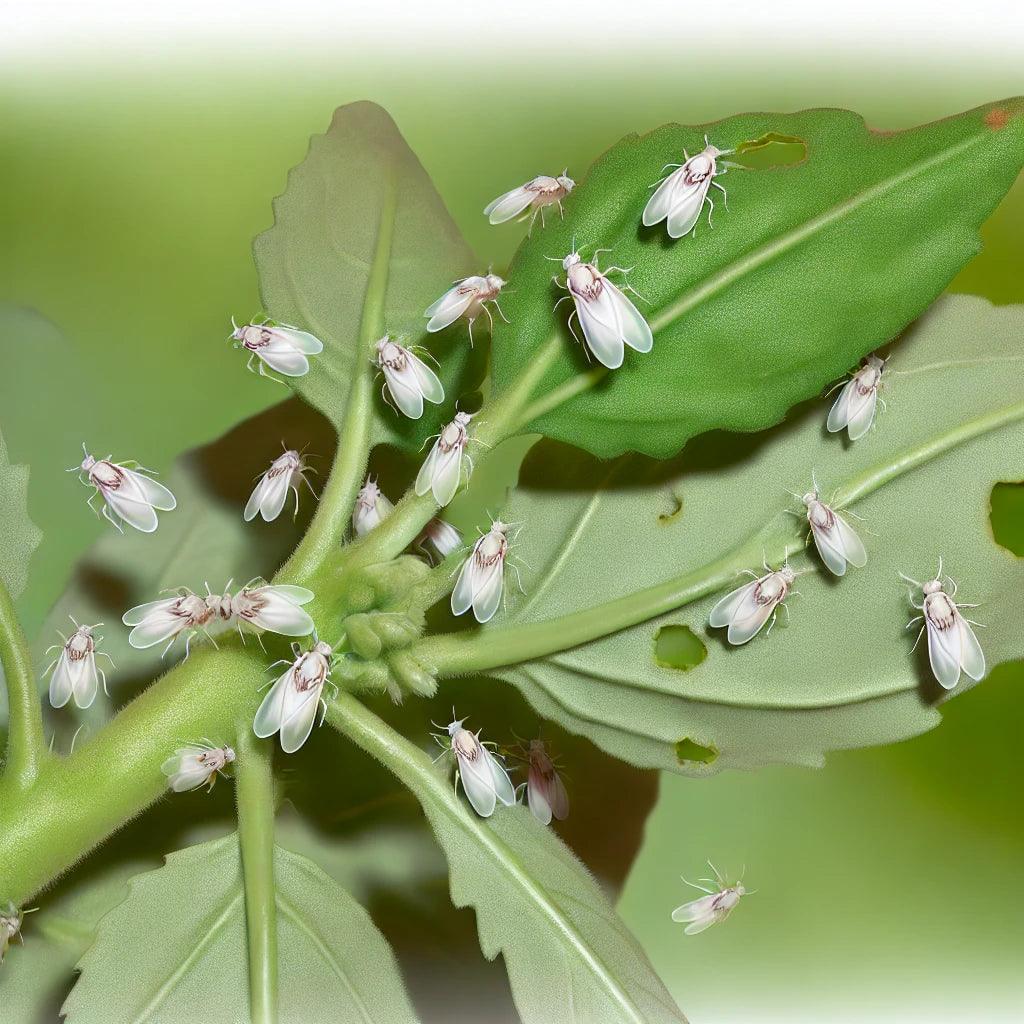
(26, 749)
(254, 790)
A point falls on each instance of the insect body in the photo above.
(195, 765)
(75, 673)
(718, 903)
(371, 508)
(746, 609)
(545, 791)
(286, 472)
(291, 705)
(484, 778)
(10, 928)
(952, 644)
(837, 542)
(854, 409)
(442, 469)
(407, 378)
(438, 539)
(279, 346)
(680, 197)
(608, 318)
(167, 619)
(539, 193)
(129, 495)
(481, 581)
(466, 298)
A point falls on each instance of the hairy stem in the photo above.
(26, 749)
(254, 790)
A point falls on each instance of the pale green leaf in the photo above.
(20, 535)
(811, 266)
(619, 550)
(361, 245)
(182, 931)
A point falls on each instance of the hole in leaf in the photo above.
(770, 150)
(677, 506)
(678, 647)
(1007, 516)
(689, 750)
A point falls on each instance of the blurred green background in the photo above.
(889, 882)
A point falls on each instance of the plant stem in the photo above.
(26, 749)
(254, 791)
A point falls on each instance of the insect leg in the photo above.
(711, 204)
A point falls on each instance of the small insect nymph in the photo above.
(746, 609)
(680, 197)
(441, 471)
(609, 319)
(272, 607)
(170, 617)
(407, 378)
(129, 495)
(483, 776)
(952, 644)
(195, 765)
(268, 498)
(717, 905)
(854, 409)
(837, 542)
(371, 508)
(467, 298)
(291, 705)
(75, 673)
(545, 791)
(481, 581)
(281, 347)
(538, 194)
(438, 540)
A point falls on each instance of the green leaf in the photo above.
(182, 930)
(569, 958)
(361, 245)
(812, 266)
(619, 550)
(20, 535)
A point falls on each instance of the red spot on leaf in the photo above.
(997, 118)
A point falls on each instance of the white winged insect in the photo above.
(129, 495)
(538, 193)
(10, 927)
(952, 645)
(371, 508)
(609, 319)
(837, 542)
(545, 791)
(407, 378)
(746, 609)
(481, 582)
(195, 765)
(466, 298)
(170, 617)
(291, 705)
(280, 346)
(483, 776)
(441, 471)
(75, 673)
(718, 903)
(854, 409)
(680, 197)
(438, 540)
(268, 498)
(275, 608)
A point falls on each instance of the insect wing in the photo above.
(405, 390)
(299, 716)
(749, 618)
(270, 715)
(853, 546)
(281, 355)
(602, 328)
(861, 413)
(696, 910)
(183, 770)
(478, 782)
(141, 612)
(723, 612)
(665, 197)
(503, 788)
(148, 490)
(509, 205)
(972, 657)
(839, 414)
(446, 475)
(301, 341)
(945, 652)
(84, 680)
(488, 593)
(268, 498)
(465, 586)
(686, 209)
(830, 546)
(279, 614)
(62, 684)
(536, 797)
(450, 306)
(636, 332)
(134, 511)
(430, 386)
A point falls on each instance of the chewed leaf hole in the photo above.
(1008, 516)
(678, 647)
(689, 750)
(770, 150)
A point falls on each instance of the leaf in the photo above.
(361, 245)
(20, 535)
(813, 266)
(182, 929)
(620, 550)
(568, 957)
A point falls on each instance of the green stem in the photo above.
(327, 530)
(254, 790)
(26, 749)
